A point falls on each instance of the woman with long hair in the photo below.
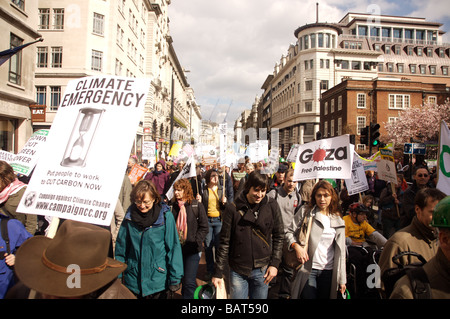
(192, 227)
(323, 273)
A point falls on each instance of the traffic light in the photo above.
(374, 134)
(364, 136)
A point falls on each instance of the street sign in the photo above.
(419, 148)
(407, 149)
(415, 148)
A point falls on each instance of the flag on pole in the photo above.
(187, 171)
(6, 54)
(443, 183)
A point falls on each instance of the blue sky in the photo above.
(231, 46)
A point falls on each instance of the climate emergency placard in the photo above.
(81, 168)
(328, 158)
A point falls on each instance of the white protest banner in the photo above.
(149, 150)
(81, 167)
(443, 183)
(370, 164)
(386, 170)
(25, 161)
(292, 156)
(187, 171)
(327, 158)
(223, 143)
(358, 181)
(6, 156)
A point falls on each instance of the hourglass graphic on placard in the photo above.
(82, 136)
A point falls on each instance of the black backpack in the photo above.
(419, 281)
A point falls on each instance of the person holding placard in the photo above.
(323, 273)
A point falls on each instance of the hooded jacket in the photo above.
(247, 242)
(159, 178)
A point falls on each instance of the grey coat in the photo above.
(339, 266)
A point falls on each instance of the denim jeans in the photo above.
(212, 240)
(252, 286)
(189, 282)
(318, 285)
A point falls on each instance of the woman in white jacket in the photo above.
(323, 273)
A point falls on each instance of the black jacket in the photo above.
(247, 242)
(197, 226)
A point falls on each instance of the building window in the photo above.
(313, 40)
(42, 57)
(441, 53)
(390, 67)
(118, 67)
(308, 106)
(361, 101)
(57, 57)
(445, 70)
(55, 97)
(432, 99)
(320, 40)
(423, 69)
(98, 25)
(399, 101)
(380, 67)
(44, 19)
(325, 129)
(409, 50)
(332, 106)
(339, 126)
(58, 19)
(325, 108)
(433, 69)
(397, 50)
(97, 57)
(429, 52)
(360, 123)
(413, 68)
(41, 95)
(332, 128)
(308, 85)
(324, 84)
(361, 147)
(345, 65)
(419, 51)
(356, 65)
(387, 49)
(15, 61)
(400, 68)
(339, 102)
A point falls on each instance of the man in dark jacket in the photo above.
(251, 241)
(421, 180)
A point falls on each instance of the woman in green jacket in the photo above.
(148, 243)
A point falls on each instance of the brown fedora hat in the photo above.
(43, 263)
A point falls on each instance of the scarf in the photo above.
(11, 189)
(145, 220)
(182, 222)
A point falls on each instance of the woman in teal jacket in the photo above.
(148, 243)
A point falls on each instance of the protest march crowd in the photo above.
(262, 236)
